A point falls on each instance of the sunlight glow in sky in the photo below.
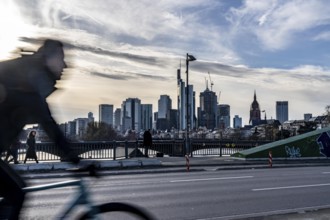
(132, 49)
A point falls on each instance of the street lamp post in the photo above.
(265, 114)
(189, 58)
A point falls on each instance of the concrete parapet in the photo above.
(151, 162)
(62, 166)
(40, 166)
(131, 163)
(110, 164)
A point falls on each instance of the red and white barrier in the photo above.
(270, 159)
(187, 163)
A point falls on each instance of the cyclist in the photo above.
(25, 84)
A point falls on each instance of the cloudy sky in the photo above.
(132, 49)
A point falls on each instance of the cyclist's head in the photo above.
(52, 52)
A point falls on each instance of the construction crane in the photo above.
(211, 82)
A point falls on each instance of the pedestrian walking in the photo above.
(31, 147)
(147, 142)
(13, 151)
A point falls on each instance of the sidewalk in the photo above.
(171, 164)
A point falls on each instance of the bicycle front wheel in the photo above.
(117, 210)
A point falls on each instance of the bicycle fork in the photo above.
(82, 198)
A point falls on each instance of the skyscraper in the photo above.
(282, 111)
(164, 106)
(164, 109)
(237, 122)
(131, 114)
(207, 109)
(146, 116)
(117, 119)
(106, 114)
(223, 116)
(81, 124)
(182, 104)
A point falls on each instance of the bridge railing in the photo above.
(115, 150)
(221, 147)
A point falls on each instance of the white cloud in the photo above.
(122, 49)
(324, 36)
(276, 23)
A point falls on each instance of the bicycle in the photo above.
(82, 198)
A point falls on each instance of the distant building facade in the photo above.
(237, 122)
(117, 119)
(182, 104)
(131, 114)
(146, 116)
(223, 116)
(207, 109)
(163, 114)
(282, 111)
(164, 106)
(307, 116)
(81, 125)
(106, 114)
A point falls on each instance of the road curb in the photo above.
(103, 164)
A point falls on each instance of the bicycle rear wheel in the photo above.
(118, 211)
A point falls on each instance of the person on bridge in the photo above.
(13, 151)
(25, 84)
(147, 142)
(31, 147)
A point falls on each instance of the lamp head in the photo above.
(190, 57)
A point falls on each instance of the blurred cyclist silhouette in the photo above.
(25, 84)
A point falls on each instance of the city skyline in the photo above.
(228, 121)
(116, 50)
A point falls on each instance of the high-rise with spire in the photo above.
(255, 115)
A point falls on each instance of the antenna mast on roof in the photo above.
(211, 82)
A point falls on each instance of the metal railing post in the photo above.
(114, 145)
(190, 147)
(126, 149)
(136, 147)
(220, 148)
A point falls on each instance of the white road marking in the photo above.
(268, 213)
(292, 187)
(210, 179)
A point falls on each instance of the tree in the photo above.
(309, 126)
(327, 109)
(100, 132)
(327, 113)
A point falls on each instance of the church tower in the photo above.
(255, 115)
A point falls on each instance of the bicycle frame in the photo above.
(82, 197)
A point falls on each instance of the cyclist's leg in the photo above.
(54, 132)
(10, 182)
(11, 185)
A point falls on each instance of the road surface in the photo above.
(207, 195)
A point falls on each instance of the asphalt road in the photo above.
(230, 194)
